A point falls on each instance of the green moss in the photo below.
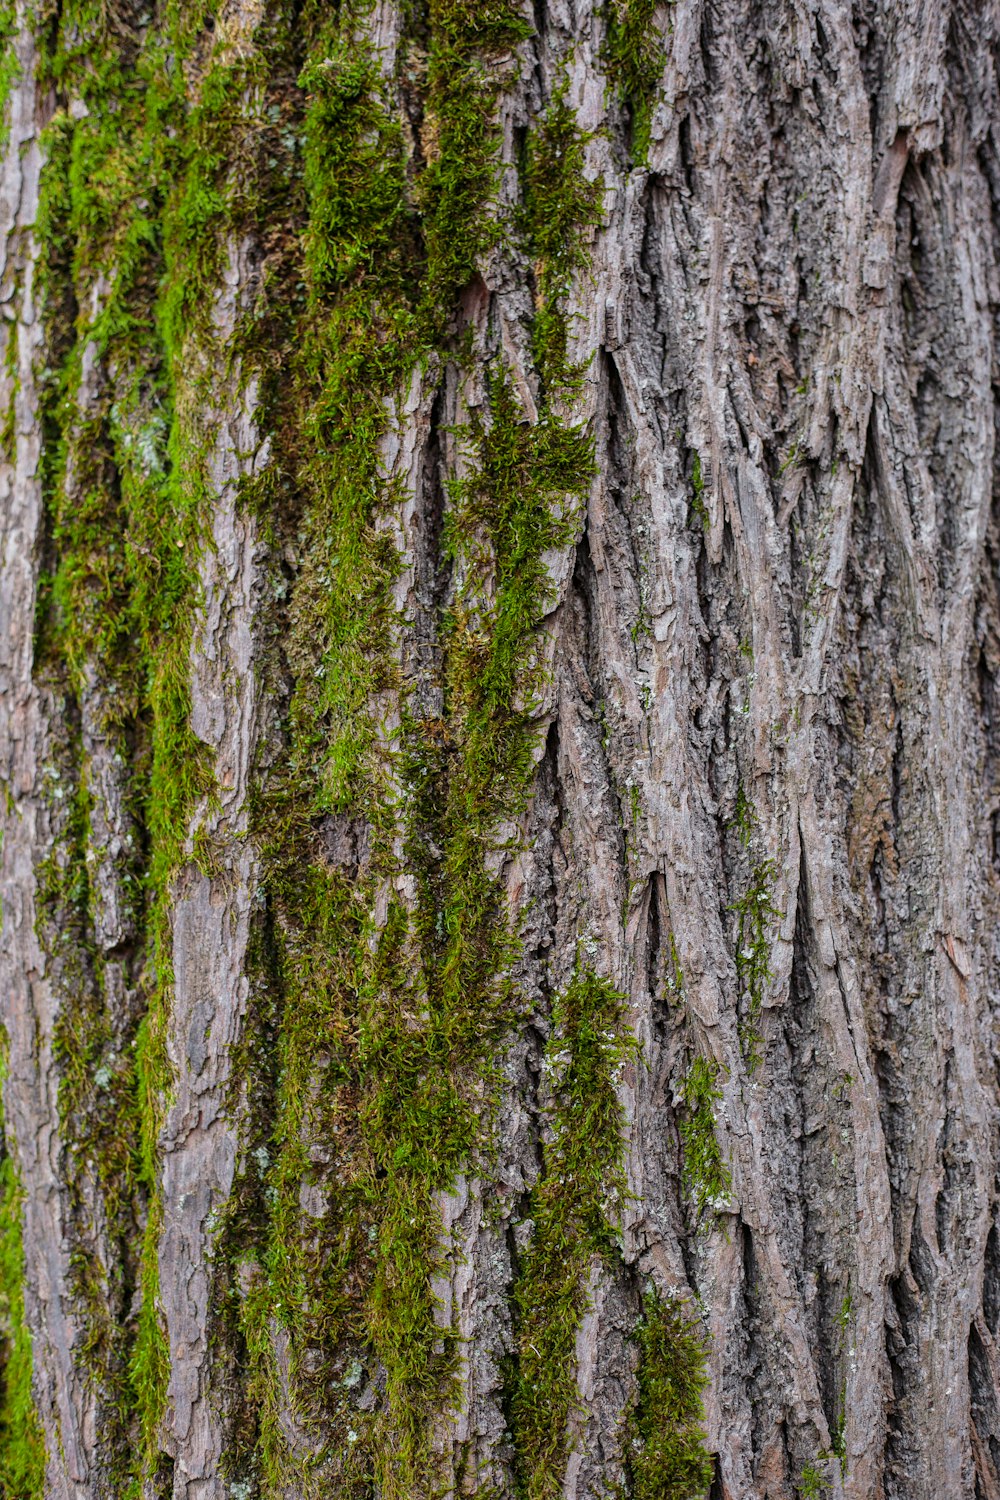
(359, 343)
(813, 1482)
(518, 503)
(410, 1009)
(22, 1445)
(756, 915)
(413, 1010)
(458, 190)
(634, 56)
(136, 183)
(792, 459)
(707, 1180)
(10, 367)
(408, 1005)
(560, 204)
(698, 508)
(8, 61)
(320, 964)
(378, 1021)
(667, 1456)
(362, 1276)
(575, 1209)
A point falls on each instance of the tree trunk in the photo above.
(500, 737)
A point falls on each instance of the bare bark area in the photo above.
(750, 875)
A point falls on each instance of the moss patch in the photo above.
(387, 1014)
(22, 1446)
(668, 1459)
(756, 915)
(707, 1179)
(133, 212)
(560, 205)
(8, 60)
(634, 56)
(381, 1004)
(699, 510)
(575, 1208)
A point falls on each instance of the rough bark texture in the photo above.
(500, 734)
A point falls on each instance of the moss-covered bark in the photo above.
(478, 788)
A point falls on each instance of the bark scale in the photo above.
(500, 731)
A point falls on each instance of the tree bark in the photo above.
(500, 736)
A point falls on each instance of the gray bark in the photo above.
(801, 288)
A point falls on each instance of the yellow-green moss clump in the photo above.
(635, 55)
(22, 1448)
(8, 59)
(707, 1179)
(576, 1209)
(561, 205)
(667, 1457)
